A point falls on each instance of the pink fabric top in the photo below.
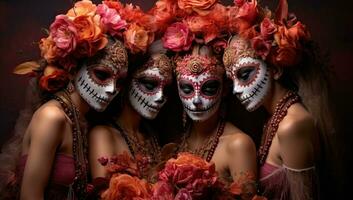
(62, 176)
(63, 172)
(283, 183)
(273, 182)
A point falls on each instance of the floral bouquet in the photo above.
(186, 177)
(125, 175)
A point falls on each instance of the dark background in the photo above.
(330, 23)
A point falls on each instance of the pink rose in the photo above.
(111, 19)
(261, 47)
(183, 194)
(163, 191)
(64, 34)
(268, 28)
(178, 37)
(248, 11)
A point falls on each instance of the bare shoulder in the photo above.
(48, 124)
(50, 111)
(298, 123)
(101, 132)
(237, 140)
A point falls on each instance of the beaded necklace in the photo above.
(79, 145)
(150, 149)
(208, 148)
(272, 124)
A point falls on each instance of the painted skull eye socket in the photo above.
(210, 87)
(148, 84)
(186, 88)
(101, 74)
(246, 74)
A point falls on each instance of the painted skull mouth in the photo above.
(245, 98)
(201, 110)
(89, 90)
(142, 101)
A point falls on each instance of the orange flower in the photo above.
(82, 8)
(48, 49)
(53, 79)
(190, 159)
(137, 38)
(90, 36)
(199, 6)
(123, 186)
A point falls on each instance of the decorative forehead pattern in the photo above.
(114, 55)
(194, 65)
(161, 62)
(240, 48)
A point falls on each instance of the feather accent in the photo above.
(27, 68)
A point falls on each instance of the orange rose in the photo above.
(190, 159)
(53, 79)
(298, 32)
(199, 6)
(90, 36)
(82, 8)
(123, 186)
(137, 38)
(48, 49)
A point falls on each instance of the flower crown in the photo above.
(83, 32)
(185, 22)
(276, 38)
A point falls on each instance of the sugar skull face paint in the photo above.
(200, 94)
(100, 79)
(148, 92)
(99, 84)
(251, 81)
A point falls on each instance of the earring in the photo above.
(70, 88)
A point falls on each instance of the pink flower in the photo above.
(64, 34)
(178, 37)
(248, 11)
(183, 194)
(190, 174)
(111, 19)
(261, 47)
(163, 191)
(268, 28)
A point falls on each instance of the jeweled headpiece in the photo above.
(197, 63)
(237, 48)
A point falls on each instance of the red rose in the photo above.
(261, 47)
(268, 28)
(53, 79)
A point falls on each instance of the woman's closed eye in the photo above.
(186, 88)
(210, 87)
(246, 73)
(148, 84)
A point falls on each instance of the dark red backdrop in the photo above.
(329, 21)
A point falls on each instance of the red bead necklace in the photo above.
(271, 127)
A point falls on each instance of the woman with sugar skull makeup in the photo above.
(275, 66)
(77, 72)
(201, 86)
(127, 132)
